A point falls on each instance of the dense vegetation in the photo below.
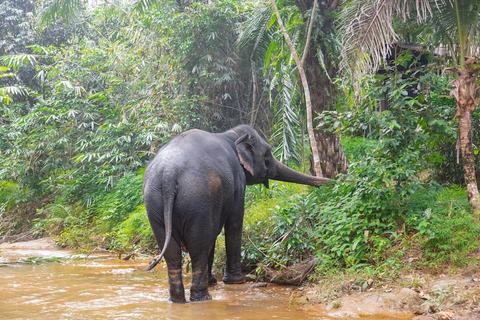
(85, 103)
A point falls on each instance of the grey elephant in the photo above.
(194, 187)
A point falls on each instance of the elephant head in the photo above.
(260, 165)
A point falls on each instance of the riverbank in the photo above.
(418, 294)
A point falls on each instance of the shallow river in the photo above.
(103, 287)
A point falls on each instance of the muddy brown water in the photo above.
(103, 287)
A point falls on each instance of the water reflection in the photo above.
(102, 287)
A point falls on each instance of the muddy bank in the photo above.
(43, 243)
(424, 297)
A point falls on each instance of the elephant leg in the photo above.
(233, 242)
(199, 287)
(173, 257)
(199, 247)
(175, 282)
(211, 278)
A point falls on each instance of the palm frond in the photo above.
(142, 5)
(286, 136)
(16, 61)
(253, 36)
(367, 27)
(53, 10)
(456, 24)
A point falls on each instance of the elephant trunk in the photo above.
(284, 173)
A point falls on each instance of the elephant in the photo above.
(194, 187)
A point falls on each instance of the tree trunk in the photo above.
(315, 167)
(466, 148)
(464, 94)
(323, 90)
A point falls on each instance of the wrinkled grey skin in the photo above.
(194, 187)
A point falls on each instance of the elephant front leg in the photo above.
(233, 242)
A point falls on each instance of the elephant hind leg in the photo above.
(173, 257)
(200, 274)
(199, 247)
(199, 288)
(211, 278)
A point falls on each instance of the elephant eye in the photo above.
(267, 157)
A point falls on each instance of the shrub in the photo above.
(135, 232)
(449, 230)
(95, 225)
(113, 207)
(10, 195)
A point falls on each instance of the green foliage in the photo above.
(101, 105)
(84, 105)
(10, 195)
(114, 207)
(269, 215)
(449, 231)
(117, 210)
(364, 218)
(16, 25)
(356, 148)
(70, 223)
(346, 228)
(134, 232)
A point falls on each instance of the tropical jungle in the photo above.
(379, 96)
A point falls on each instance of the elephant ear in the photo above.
(244, 146)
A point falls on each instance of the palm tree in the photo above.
(317, 61)
(369, 31)
(320, 68)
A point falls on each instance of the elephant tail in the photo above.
(168, 198)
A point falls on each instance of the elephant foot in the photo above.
(233, 278)
(211, 279)
(200, 296)
(177, 299)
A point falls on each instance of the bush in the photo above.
(135, 232)
(113, 207)
(362, 219)
(449, 230)
(261, 206)
(10, 195)
(70, 223)
(96, 225)
(285, 237)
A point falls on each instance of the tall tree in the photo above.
(306, 88)
(321, 69)
(319, 61)
(369, 29)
